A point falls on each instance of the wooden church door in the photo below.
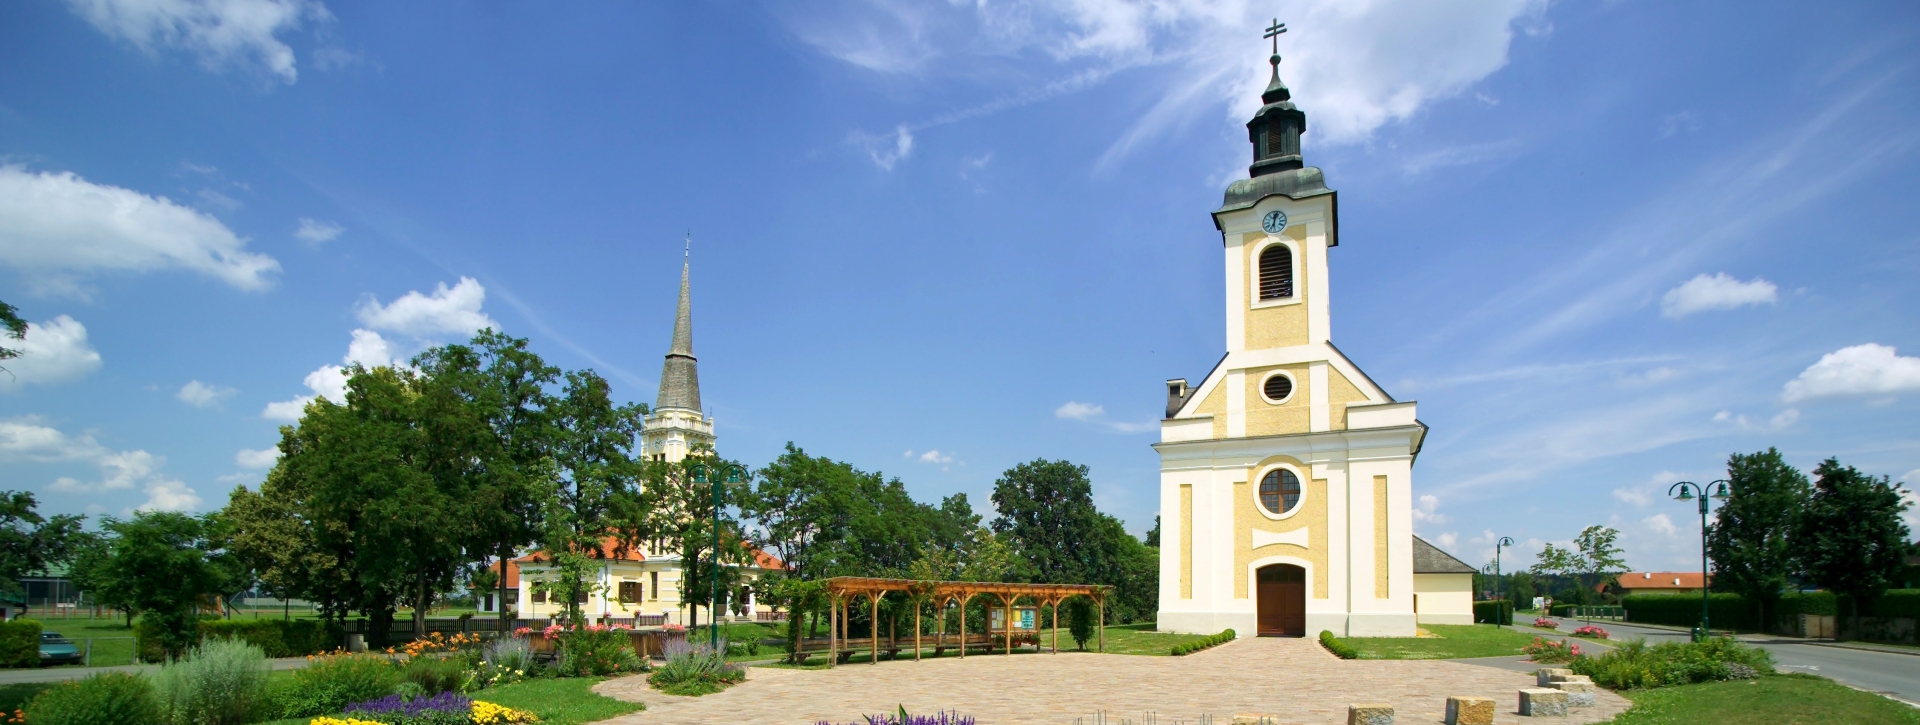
(1281, 601)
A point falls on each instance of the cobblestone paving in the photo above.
(1293, 679)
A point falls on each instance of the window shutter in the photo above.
(1276, 272)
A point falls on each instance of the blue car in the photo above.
(58, 650)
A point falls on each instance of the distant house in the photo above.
(1442, 586)
(1660, 582)
(627, 583)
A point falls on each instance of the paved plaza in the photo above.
(1293, 679)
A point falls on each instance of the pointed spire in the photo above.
(679, 378)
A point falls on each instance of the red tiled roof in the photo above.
(1638, 580)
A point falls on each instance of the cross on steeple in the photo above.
(1274, 31)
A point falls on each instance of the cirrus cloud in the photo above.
(1716, 292)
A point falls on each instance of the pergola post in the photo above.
(833, 628)
(916, 629)
(1056, 626)
(873, 628)
(1101, 602)
(963, 626)
(1007, 603)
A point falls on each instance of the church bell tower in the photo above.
(676, 424)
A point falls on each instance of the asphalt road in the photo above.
(1888, 673)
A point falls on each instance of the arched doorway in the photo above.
(1281, 599)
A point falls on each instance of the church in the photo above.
(1286, 474)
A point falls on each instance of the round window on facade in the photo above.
(1277, 388)
(1279, 491)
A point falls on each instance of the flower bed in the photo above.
(443, 709)
(902, 718)
(1545, 623)
(1591, 632)
(1550, 651)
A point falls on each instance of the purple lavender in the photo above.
(943, 718)
(394, 708)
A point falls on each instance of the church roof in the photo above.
(1429, 559)
(679, 379)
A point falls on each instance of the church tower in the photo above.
(676, 423)
(1285, 474)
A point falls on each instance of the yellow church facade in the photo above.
(1286, 474)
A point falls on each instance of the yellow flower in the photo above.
(340, 721)
(487, 713)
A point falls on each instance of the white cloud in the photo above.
(1661, 523)
(1425, 510)
(286, 410)
(27, 440)
(1079, 411)
(202, 395)
(1869, 369)
(1679, 122)
(448, 311)
(217, 200)
(935, 456)
(1716, 292)
(1447, 540)
(57, 226)
(1462, 155)
(368, 349)
(316, 233)
(55, 351)
(221, 32)
(170, 495)
(1634, 496)
(263, 458)
(885, 149)
(1354, 67)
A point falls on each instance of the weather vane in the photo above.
(1274, 31)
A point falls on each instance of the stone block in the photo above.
(1255, 718)
(1579, 694)
(1545, 675)
(1370, 713)
(1543, 702)
(1469, 710)
(1569, 677)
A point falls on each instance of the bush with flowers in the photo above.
(1591, 632)
(593, 650)
(442, 709)
(1545, 623)
(1550, 650)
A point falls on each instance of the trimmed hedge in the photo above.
(20, 643)
(1495, 611)
(1733, 610)
(1181, 650)
(275, 637)
(1340, 649)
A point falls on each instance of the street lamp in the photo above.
(1688, 492)
(733, 474)
(1501, 543)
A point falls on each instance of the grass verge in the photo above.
(563, 701)
(1450, 641)
(1773, 699)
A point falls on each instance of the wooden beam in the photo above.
(916, 629)
(1101, 602)
(873, 626)
(833, 629)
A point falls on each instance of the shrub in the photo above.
(333, 681)
(695, 669)
(1181, 650)
(1635, 664)
(1339, 649)
(1550, 650)
(1080, 622)
(111, 697)
(275, 637)
(1499, 611)
(1590, 631)
(1545, 623)
(218, 683)
(434, 675)
(503, 661)
(20, 643)
(598, 651)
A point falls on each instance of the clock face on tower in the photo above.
(1276, 220)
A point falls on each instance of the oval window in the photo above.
(1279, 491)
(1277, 388)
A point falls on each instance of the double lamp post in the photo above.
(1689, 491)
(733, 474)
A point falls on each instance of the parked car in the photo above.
(58, 650)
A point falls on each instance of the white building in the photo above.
(1286, 474)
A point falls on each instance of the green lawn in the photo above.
(1774, 700)
(112, 638)
(1451, 641)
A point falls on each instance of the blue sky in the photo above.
(1602, 244)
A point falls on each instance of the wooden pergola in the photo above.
(843, 590)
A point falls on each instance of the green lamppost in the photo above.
(1502, 543)
(733, 474)
(1688, 492)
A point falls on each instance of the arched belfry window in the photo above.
(1276, 272)
(1279, 491)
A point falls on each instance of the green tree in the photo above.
(168, 567)
(1600, 559)
(1851, 539)
(15, 328)
(29, 542)
(596, 492)
(1046, 511)
(1557, 562)
(680, 512)
(1751, 539)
